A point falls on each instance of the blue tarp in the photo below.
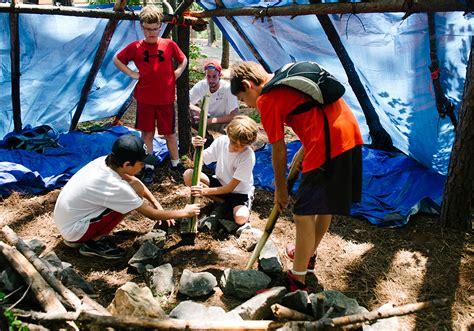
(32, 172)
(390, 55)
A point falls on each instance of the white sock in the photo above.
(149, 166)
(298, 273)
(174, 163)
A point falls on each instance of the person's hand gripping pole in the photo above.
(198, 156)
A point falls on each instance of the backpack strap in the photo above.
(304, 107)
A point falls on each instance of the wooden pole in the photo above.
(275, 213)
(284, 313)
(15, 69)
(98, 59)
(45, 295)
(389, 6)
(182, 92)
(244, 38)
(198, 156)
(67, 294)
(380, 138)
(183, 6)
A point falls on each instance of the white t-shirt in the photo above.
(89, 193)
(222, 102)
(231, 165)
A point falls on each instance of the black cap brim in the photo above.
(150, 159)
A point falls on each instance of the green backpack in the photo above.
(312, 79)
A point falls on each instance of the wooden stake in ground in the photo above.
(292, 176)
(192, 228)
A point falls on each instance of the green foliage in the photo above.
(255, 115)
(14, 324)
(195, 72)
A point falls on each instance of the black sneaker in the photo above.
(102, 248)
(148, 176)
(180, 169)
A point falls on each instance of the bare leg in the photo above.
(172, 144)
(310, 230)
(147, 137)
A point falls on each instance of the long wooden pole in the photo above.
(67, 294)
(15, 68)
(45, 295)
(275, 213)
(389, 6)
(94, 13)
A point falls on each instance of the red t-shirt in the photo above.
(274, 107)
(156, 85)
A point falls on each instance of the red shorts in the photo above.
(102, 225)
(162, 115)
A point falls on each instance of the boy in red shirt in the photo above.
(155, 91)
(327, 187)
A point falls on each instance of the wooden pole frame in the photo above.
(389, 6)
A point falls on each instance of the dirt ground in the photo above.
(418, 262)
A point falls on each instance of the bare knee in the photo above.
(241, 215)
(188, 177)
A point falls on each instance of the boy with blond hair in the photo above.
(155, 92)
(331, 173)
(232, 183)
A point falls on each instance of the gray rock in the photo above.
(243, 284)
(196, 284)
(249, 238)
(259, 307)
(156, 236)
(297, 300)
(160, 279)
(71, 279)
(192, 311)
(10, 280)
(36, 245)
(342, 304)
(131, 300)
(147, 254)
(269, 260)
(208, 224)
(228, 225)
(53, 262)
(239, 231)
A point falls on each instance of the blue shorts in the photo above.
(332, 188)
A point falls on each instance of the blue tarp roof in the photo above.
(391, 57)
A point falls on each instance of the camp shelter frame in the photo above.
(408, 7)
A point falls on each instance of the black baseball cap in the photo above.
(132, 148)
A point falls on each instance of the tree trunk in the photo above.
(211, 33)
(458, 197)
(184, 122)
(225, 59)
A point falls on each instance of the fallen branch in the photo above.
(43, 269)
(386, 313)
(282, 312)
(45, 295)
(143, 322)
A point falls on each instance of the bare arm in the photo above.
(155, 214)
(125, 69)
(279, 159)
(199, 190)
(223, 119)
(179, 70)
